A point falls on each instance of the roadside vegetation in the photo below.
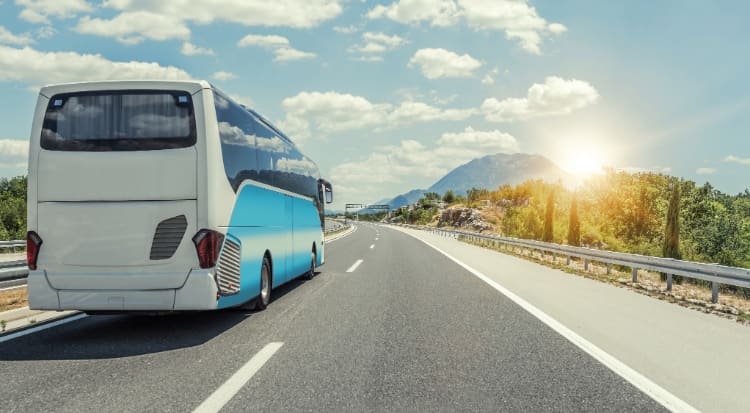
(13, 208)
(642, 213)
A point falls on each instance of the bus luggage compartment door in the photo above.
(110, 245)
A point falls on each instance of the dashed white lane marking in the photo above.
(354, 266)
(653, 390)
(33, 330)
(372, 246)
(226, 391)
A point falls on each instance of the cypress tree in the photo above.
(574, 225)
(547, 235)
(671, 248)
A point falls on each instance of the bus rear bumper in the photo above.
(198, 293)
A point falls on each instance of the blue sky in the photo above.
(387, 96)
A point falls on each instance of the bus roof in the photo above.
(191, 86)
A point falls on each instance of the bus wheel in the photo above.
(265, 286)
(311, 272)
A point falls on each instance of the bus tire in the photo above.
(311, 272)
(264, 298)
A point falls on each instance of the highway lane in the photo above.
(407, 329)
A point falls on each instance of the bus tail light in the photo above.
(33, 243)
(207, 245)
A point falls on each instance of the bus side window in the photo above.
(238, 141)
(271, 148)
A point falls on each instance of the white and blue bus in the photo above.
(165, 196)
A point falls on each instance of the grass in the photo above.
(731, 304)
(16, 298)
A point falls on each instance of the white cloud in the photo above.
(414, 163)
(329, 112)
(134, 27)
(221, 75)
(270, 41)
(285, 13)
(346, 29)
(287, 54)
(189, 49)
(489, 78)
(46, 32)
(376, 43)
(7, 37)
(13, 153)
(515, 18)
(38, 68)
(490, 141)
(370, 58)
(437, 63)
(735, 159)
(413, 112)
(555, 97)
(440, 13)
(384, 39)
(39, 11)
(279, 45)
(705, 171)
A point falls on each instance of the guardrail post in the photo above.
(609, 268)
(669, 282)
(635, 275)
(585, 264)
(714, 292)
(567, 260)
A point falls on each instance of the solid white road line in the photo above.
(354, 266)
(226, 391)
(653, 390)
(33, 330)
(341, 235)
(15, 287)
(372, 246)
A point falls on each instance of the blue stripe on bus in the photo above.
(266, 220)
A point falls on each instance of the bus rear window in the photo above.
(119, 121)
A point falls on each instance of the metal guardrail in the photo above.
(13, 244)
(714, 273)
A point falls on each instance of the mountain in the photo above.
(489, 172)
(404, 199)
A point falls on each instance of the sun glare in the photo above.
(583, 162)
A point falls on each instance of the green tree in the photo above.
(549, 214)
(532, 224)
(671, 247)
(574, 224)
(449, 196)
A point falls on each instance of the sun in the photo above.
(584, 162)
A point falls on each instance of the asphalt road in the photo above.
(406, 329)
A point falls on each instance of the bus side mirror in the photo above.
(325, 191)
(329, 195)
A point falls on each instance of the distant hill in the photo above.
(488, 172)
(492, 171)
(404, 199)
